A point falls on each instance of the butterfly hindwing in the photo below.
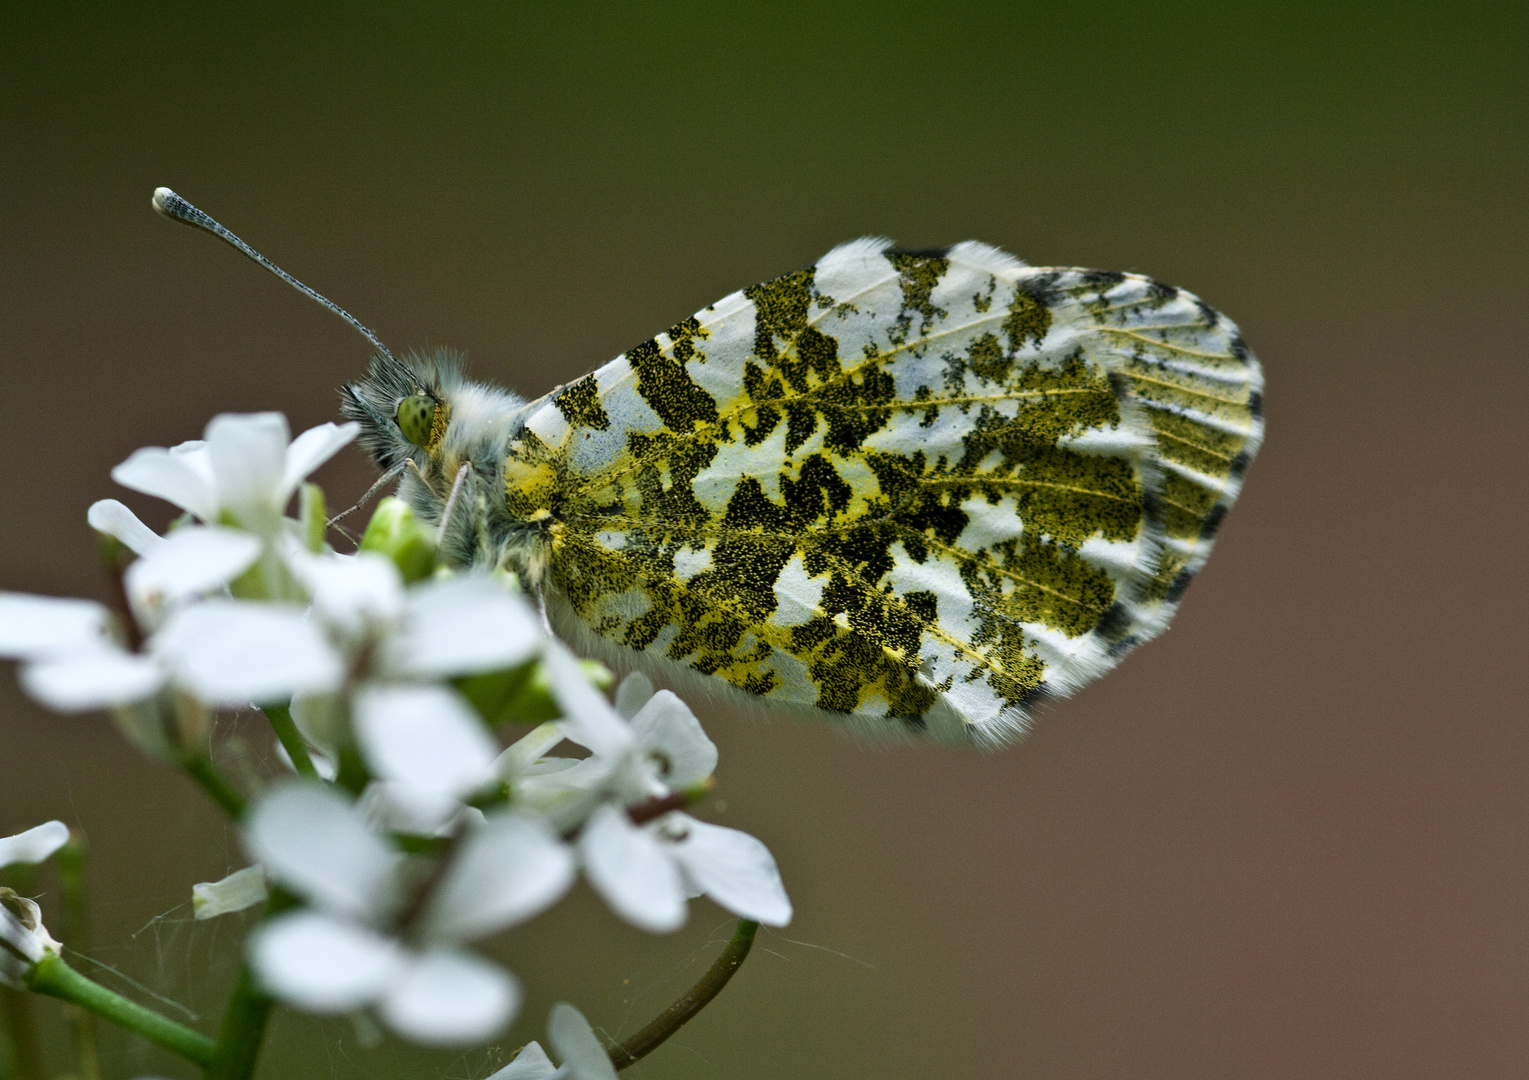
(915, 490)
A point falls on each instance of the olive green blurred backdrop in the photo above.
(1288, 839)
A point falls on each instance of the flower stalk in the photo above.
(291, 739)
(52, 976)
(693, 1001)
(71, 872)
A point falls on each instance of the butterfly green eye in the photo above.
(416, 418)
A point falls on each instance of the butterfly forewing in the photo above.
(915, 490)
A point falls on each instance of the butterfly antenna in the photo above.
(176, 208)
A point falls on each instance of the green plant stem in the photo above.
(52, 976)
(693, 1001)
(242, 1029)
(204, 772)
(291, 739)
(71, 872)
(26, 1053)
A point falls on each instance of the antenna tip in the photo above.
(163, 199)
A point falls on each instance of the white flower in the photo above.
(23, 938)
(229, 653)
(574, 1040)
(662, 748)
(240, 890)
(189, 563)
(348, 950)
(70, 661)
(423, 742)
(224, 652)
(647, 872)
(245, 470)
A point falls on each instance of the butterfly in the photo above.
(916, 490)
(907, 491)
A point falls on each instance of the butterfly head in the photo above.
(403, 407)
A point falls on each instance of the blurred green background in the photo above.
(1286, 840)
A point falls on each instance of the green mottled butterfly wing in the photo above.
(911, 490)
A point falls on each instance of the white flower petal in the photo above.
(588, 718)
(351, 592)
(310, 839)
(311, 449)
(462, 625)
(322, 964)
(669, 731)
(172, 475)
(239, 890)
(632, 871)
(389, 806)
(114, 519)
(189, 561)
(34, 627)
(93, 679)
(450, 998)
(230, 653)
(733, 868)
(424, 736)
(249, 456)
(575, 1042)
(633, 694)
(527, 750)
(508, 870)
(532, 1063)
(34, 845)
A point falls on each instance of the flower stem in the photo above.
(71, 871)
(242, 1029)
(52, 976)
(693, 1001)
(291, 739)
(21, 1026)
(201, 769)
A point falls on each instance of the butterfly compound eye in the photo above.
(416, 418)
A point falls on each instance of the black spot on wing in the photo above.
(1114, 622)
(579, 403)
(1256, 403)
(1102, 280)
(668, 389)
(1213, 521)
(1180, 583)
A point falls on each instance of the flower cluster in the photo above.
(405, 829)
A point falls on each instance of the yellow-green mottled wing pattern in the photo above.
(912, 490)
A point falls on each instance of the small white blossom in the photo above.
(647, 872)
(244, 470)
(228, 653)
(348, 951)
(190, 562)
(23, 938)
(70, 661)
(574, 1040)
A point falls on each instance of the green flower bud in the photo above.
(394, 531)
